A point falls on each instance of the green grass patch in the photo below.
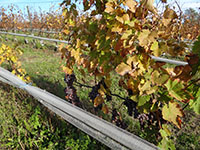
(26, 124)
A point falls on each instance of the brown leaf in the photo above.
(169, 14)
(98, 100)
(105, 109)
(118, 45)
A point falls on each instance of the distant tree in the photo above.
(191, 23)
(192, 15)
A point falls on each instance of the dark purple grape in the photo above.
(69, 79)
(108, 97)
(131, 105)
(117, 121)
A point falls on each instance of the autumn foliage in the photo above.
(121, 36)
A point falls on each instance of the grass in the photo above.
(43, 66)
(25, 124)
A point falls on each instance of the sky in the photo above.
(46, 4)
(185, 4)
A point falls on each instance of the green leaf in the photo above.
(158, 78)
(175, 89)
(167, 144)
(93, 27)
(196, 47)
(195, 104)
(143, 100)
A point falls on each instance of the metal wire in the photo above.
(62, 41)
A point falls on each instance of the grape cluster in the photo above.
(94, 93)
(148, 119)
(70, 91)
(143, 119)
(131, 105)
(69, 79)
(116, 119)
(108, 97)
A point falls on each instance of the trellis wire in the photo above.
(29, 29)
(35, 37)
(66, 42)
(107, 133)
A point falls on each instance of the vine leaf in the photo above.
(98, 100)
(143, 100)
(105, 109)
(146, 37)
(131, 5)
(169, 14)
(172, 113)
(195, 104)
(126, 34)
(175, 89)
(109, 8)
(143, 37)
(123, 69)
(150, 7)
(67, 70)
(155, 49)
(158, 78)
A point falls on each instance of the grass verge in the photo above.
(25, 124)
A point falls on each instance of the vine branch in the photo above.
(87, 86)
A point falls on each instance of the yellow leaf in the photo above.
(131, 5)
(123, 69)
(109, 8)
(66, 31)
(116, 29)
(98, 100)
(166, 22)
(126, 34)
(67, 70)
(172, 113)
(102, 90)
(126, 17)
(120, 19)
(149, 5)
(155, 49)
(143, 37)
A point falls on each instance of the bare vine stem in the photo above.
(87, 86)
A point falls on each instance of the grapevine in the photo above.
(11, 55)
(120, 36)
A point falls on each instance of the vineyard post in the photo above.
(29, 16)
